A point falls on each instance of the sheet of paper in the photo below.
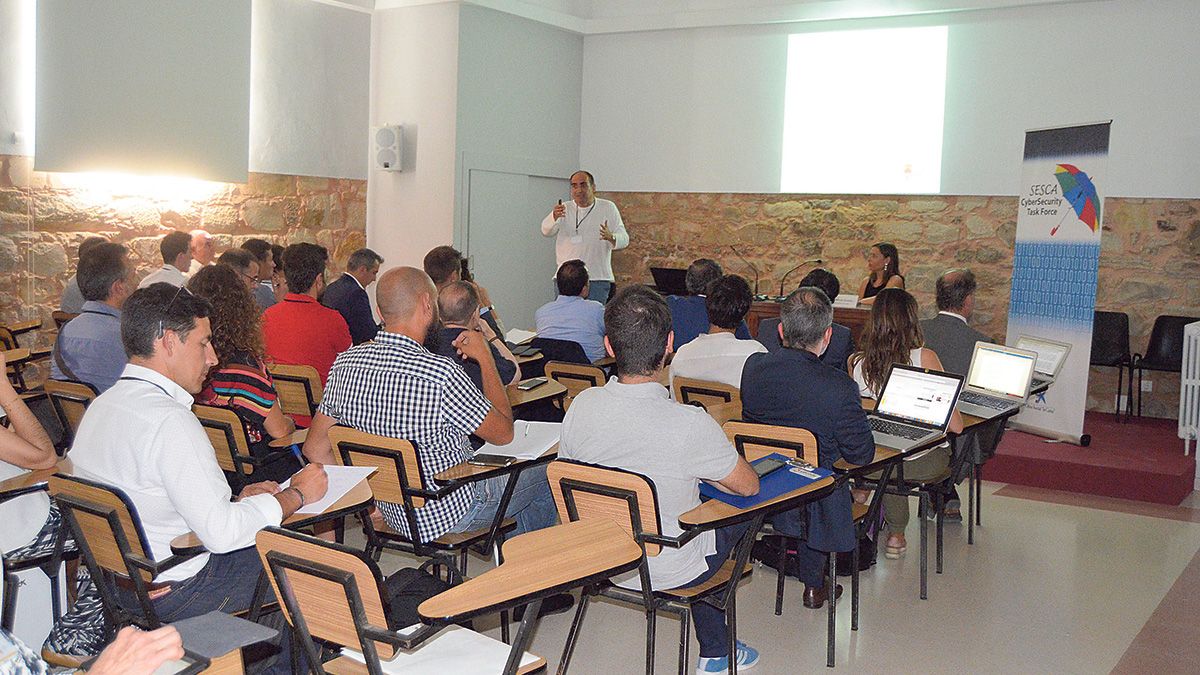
(530, 440)
(342, 479)
(517, 336)
(846, 300)
(456, 649)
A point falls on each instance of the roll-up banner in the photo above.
(1055, 262)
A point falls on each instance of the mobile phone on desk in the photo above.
(766, 465)
(531, 383)
(485, 459)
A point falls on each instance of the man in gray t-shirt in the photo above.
(631, 423)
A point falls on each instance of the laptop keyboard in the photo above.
(985, 401)
(896, 429)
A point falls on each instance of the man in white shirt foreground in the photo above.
(718, 356)
(674, 445)
(141, 437)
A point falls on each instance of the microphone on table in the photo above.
(814, 261)
(749, 264)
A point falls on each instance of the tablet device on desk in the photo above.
(531, 383)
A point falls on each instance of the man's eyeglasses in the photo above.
(253, 279)
(167, 312)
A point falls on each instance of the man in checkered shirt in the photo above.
(394, 387)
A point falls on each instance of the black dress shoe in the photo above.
(554, 604)
(814, 598)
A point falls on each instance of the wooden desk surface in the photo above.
(540, 563)
(357, 496)
(37, 478)
(16, 357)
(854, 318)
(23, 326)
(296, 438)
(714, 510)
(605, 362)
(465, 470)
(528, 358)
(550, 389)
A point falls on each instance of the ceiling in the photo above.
(620, 16)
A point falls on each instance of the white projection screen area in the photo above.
(863, 111)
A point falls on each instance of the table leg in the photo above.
(831, 592)
(971, 503)
(524, 636)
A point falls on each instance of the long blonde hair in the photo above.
(889, 337)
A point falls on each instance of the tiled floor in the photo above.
(1055, 583)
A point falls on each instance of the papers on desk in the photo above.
(517, 336)
(530, 440)
(770, 486)
(846, 300)
(342, 479)
(454, 650)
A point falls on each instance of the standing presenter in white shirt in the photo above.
(588, 229)
(141, 437)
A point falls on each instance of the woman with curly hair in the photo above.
(240, 380)
(893, 335)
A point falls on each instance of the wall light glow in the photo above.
(104, 188)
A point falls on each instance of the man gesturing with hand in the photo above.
(589, 229)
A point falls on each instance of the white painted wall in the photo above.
(16, 76)
(414, 75)
(309, 88)
(701, 109)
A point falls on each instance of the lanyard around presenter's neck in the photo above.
(578, 220)
(149, 382)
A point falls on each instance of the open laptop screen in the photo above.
(1001, 370)
(918, 396)
(1049, 354)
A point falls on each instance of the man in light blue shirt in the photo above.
(89, 346)
(572, 316)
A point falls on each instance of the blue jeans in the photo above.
(712, 632)
(531, 505)
(599, 291)
(226, 583)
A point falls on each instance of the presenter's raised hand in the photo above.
(560, 210)
(606, 234)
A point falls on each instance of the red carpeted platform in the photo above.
(1141, 460)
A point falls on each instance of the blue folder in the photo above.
(772, 485)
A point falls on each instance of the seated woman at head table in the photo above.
(240, 380)
(893, 335)
(883, 263)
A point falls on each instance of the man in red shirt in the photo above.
(299, 330)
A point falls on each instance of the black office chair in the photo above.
(1163, 353)
(1110, 348)
(554, 350)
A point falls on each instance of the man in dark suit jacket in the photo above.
(348, 294)
(948, 333)
(841, 345)
(791, 387)
(954, 340)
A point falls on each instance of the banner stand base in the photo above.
(1082, 440)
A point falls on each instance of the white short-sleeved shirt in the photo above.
(142, 437)
(714, 357)
(638, 427)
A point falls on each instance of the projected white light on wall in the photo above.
(863, 111)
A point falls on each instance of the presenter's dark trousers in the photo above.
(600, 291)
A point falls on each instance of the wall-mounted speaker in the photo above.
(388, 142)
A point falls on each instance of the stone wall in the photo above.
(1149, 262)
(44, 217)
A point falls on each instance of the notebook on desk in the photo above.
(1051, 355)
(914, 406)
(770, 486)
(997, 380)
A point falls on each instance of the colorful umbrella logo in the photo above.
(1079, 190)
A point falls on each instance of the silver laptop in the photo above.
(997, 381)
(914, 406)
(1051, 355)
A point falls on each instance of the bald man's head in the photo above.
(458, 303)
(399, 293)
(202, 248)
(954, 290)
